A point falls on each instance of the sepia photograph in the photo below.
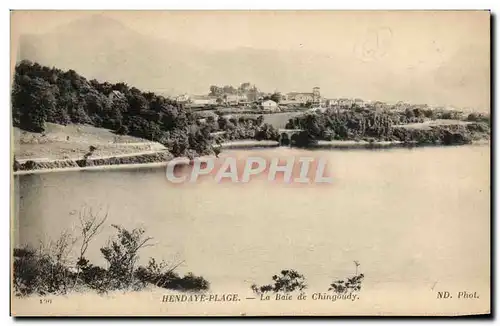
(250, 163)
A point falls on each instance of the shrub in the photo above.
(16, 166)
(47, 270)
(287, 281)
(162, 276)
(351, 284)
(26, 271)
(122, 130)
(94, 277)
(479, 117)
(43, 271)
(304, 139)
(121, 255)
(29, 165)
(190, 282)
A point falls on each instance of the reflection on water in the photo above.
(414, 216)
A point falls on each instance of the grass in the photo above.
(73, 141)
(431, 123)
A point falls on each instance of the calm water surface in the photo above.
(408, 216)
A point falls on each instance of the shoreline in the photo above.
(250, 143)
(92, 168)
(161, 158)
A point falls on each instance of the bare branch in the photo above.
(91, 226)
(175, 267)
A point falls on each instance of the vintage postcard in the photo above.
(250, 163)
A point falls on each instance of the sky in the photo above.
(446, 51)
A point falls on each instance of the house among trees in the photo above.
(331, 102)
(235, 99)
(359, 102)
(202, 100)
(301, 98)
(345, 102)
(182, 99)
(253, 94)
(298, 98)
(269, 105)
(196, 101)
(244, 94)
(116, 95)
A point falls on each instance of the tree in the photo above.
(137, 102)
(276, 97)
(33, 99)
(222, 122)
(42, 94)
(169, 119)
(244, 87)
(122, 130)
(260, 120)
(229, 90)
(90, 224)
(121, 255)
(266, 132)
(215, 91)
(178, 143)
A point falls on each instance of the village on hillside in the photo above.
(248, 97)
(70, 108)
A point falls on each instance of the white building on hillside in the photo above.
(236, 99)
(269, 105)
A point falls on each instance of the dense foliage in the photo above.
(387, 125)
(350, 285)
(41, 94)
(285, 282)
(247, 127)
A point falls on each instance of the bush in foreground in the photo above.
(163, 276)
(350, 284)
(287, 281)
(47, 270)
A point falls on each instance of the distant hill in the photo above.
(105, 49)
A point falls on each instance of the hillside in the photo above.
(60, 142)
(43, 96)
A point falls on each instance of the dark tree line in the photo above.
(344, 125)
(372, 125)
(42, 94)
(247, 127)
